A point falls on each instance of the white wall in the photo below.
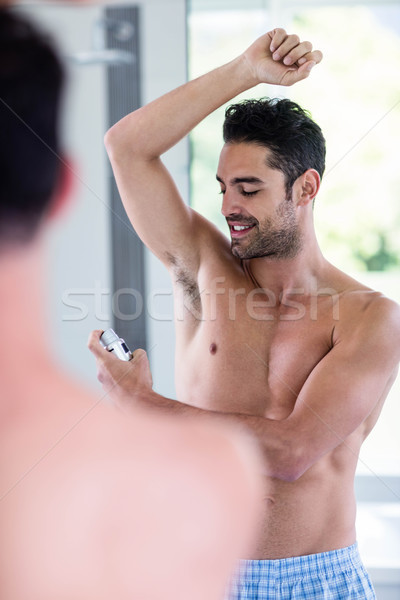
(79, 245)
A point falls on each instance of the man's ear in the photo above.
(63, 193)
(308, 184)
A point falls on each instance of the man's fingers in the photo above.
(94, 343)
(99, 351)
(298, 52)
(139, 354)
(290, 50)
(295, 75)
(117, 375)
(302, 68)
(277, 37)
(315, 56)
(291, 42)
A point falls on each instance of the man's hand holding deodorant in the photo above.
(126, 381)
(113, 343)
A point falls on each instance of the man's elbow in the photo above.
(290, 465)
(114, 142)
(288, 473)
(125, 136)
(127, 142)
(109, 140)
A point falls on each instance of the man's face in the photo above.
(260, 215)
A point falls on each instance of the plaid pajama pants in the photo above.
(336, 575)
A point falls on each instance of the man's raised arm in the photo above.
(156, 210)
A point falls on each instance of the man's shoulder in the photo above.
(371, 319)
(371, 302)
(359, 297)
(380, 316)
(364, 312)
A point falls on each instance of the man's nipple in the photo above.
(213, 348)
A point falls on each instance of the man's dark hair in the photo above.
(295, 141)
(31, 81)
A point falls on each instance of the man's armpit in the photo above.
(186, 281)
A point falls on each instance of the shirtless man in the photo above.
(94, 506)
(269, 334)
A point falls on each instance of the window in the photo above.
(354, 97)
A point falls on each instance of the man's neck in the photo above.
(302, 274)
(23, 328)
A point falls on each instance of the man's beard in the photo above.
(277, 238)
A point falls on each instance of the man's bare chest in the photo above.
(246, 352)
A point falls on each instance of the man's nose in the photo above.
(230, 206)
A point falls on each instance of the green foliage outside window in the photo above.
(354, 96)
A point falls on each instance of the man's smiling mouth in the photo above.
(238, 230)
(241, 227)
